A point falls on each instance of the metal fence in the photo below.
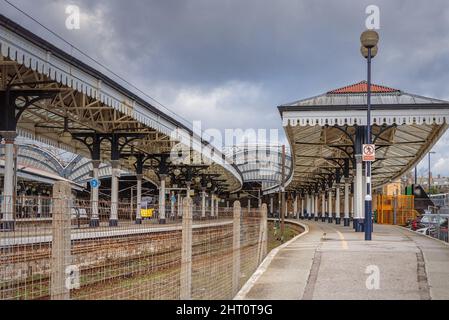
(434, 224)
(395, 210)
(190, 258)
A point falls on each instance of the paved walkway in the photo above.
(330, 262)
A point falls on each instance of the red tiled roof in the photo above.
(362, 87)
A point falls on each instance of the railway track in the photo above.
(170, 257)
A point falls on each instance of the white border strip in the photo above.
(379, 117)
(267, 261)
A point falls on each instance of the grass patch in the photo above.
(274, 234)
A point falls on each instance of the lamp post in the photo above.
(430, 172)
(369, 40)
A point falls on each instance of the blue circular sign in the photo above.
(94, 183)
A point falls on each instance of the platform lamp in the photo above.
(66, 136)
(369, 40)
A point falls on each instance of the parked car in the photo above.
(435, 225)
(428, 220)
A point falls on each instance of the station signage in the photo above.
(95, 183)
(369, 152)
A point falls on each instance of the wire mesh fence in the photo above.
(194, 257)
(395, 210)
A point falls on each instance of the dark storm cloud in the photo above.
(230, 63)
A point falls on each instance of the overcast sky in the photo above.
(231, 63)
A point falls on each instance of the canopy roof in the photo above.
(261, 163)
(89, 99)
(38, 162)
(321, 131)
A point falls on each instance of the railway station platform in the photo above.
(33, 236)
(330, 262)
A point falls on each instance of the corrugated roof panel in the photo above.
(381, 95)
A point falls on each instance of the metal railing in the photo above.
(434, 224)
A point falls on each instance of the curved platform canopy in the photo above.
(261, 165)
(322, 132)
(39, 164)
(43, 163)
(85, 101)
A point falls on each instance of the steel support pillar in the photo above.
(162, 217)
(203, 203)
(329, 202)
(39, 205)
(359, 195)
(139, 199)
(94, 219)
(8, 222)
(351, 211)
(217, 203)
(113, 219)
(312, 206)
(346, 204)
(212, 206)
(295, 207)
(308, 207)
(323, 207)
(179, 204)
(188, 184)
(172, 205)
(337, 205)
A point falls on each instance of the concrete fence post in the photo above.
(236, 247)
(263, 233)
(39, 206)
(186, 250)
(61, 242)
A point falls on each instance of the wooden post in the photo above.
(263, 233)
(236, 247)
(61, 244)
(186, 250)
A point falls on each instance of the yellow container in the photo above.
(146, 213)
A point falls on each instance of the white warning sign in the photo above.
(369, 152)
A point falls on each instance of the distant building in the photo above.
(439, 184)
(393, 188)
